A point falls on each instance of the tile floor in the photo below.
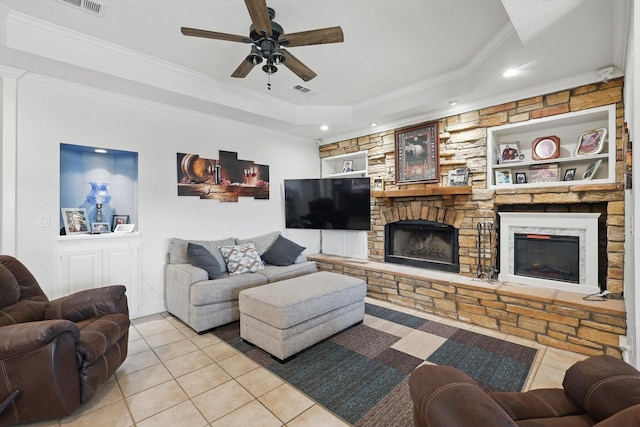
(173, 376)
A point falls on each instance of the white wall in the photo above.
(52, 111)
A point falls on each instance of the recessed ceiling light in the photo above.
(510, 72)
(100, 150)
(324, 127)
(453, 102)
(373, 124)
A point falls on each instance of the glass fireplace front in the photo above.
(547, 257)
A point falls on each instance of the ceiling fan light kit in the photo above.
(267, 39)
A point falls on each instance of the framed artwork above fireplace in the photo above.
(417, 156)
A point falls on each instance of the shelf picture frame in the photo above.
(591, 142)
(417, 154)
(591, 170)
(100, 227)
(75, 220)
(124, 228)
(510, 152)
(521, 178)
(504, 177)
(458, 177)
(545, 148)
(119, 219)
(569, 174)
(347, 166)
(549, 172)
(378, 184)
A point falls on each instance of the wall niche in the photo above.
(81, 165)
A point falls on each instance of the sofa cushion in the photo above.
(262, 242)
(282, 252)
(224, 289)
(199, 256)
(178, 249)
(9, 288)
(242, 258)
(275, 273)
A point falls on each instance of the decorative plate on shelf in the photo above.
(591, 142)
(545, 147)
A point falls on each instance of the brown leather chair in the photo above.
(56, 354)
(600, 391)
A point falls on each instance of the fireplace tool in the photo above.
(486, 268)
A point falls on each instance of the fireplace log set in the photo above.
(486, 265)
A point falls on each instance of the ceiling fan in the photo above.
(267, 39)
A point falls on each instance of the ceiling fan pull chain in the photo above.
(269, 81)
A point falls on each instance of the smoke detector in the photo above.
(92, 6)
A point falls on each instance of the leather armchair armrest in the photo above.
(444, 396)
(88, 304)
(28, 337)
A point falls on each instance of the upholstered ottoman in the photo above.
(285, 317)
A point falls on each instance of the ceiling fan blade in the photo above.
(259, 15)
(298, 68)
(214, 35)
(242, 70)
(320, 36)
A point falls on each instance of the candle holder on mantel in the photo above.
(99, 197)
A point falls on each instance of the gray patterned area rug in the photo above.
(361, 374)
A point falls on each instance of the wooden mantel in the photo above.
(447, 193)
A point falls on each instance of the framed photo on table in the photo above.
(100, 227)
(510, 152)
(569, 174)
(417, 156)
(591, 169)
(75, 220)
(591, 142)
(119, 219)
(521, 178)
(503, 177)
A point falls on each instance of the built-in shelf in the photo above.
(334, 166)
(568, 129)
(447, 193)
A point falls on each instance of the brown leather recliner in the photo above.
(600, 391)
(58, 353)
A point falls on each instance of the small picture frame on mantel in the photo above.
(378, 184)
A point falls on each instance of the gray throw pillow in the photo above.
(199, 256)
(283, 252)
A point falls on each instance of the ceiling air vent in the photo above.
(91, 6)
(304, 90)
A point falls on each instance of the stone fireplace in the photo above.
(550, 250)
(420, 243)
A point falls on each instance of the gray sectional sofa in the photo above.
(204, 303)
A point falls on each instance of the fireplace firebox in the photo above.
(424, 244)
(547, 257)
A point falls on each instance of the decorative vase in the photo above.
(98, 199)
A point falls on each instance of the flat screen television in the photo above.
(328, 204)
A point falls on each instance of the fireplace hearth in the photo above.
(424, 244)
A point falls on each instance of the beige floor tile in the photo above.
(219, 401)
(144, 379)
(188, 363)
(252, 414)
(148, 319)
(136, 362)
(259, 381)
(560, 359)
(204, 340)
(165, 338)
(137, 346)
(220, 351)
(183, 414)
(175, 349)
(203, 379)
(134, 334)
(114, 415)
(548, 377)
(154, 327)
(419, 344)
(317, 416)
(154, 400)
(237, 365)
(286, 402)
